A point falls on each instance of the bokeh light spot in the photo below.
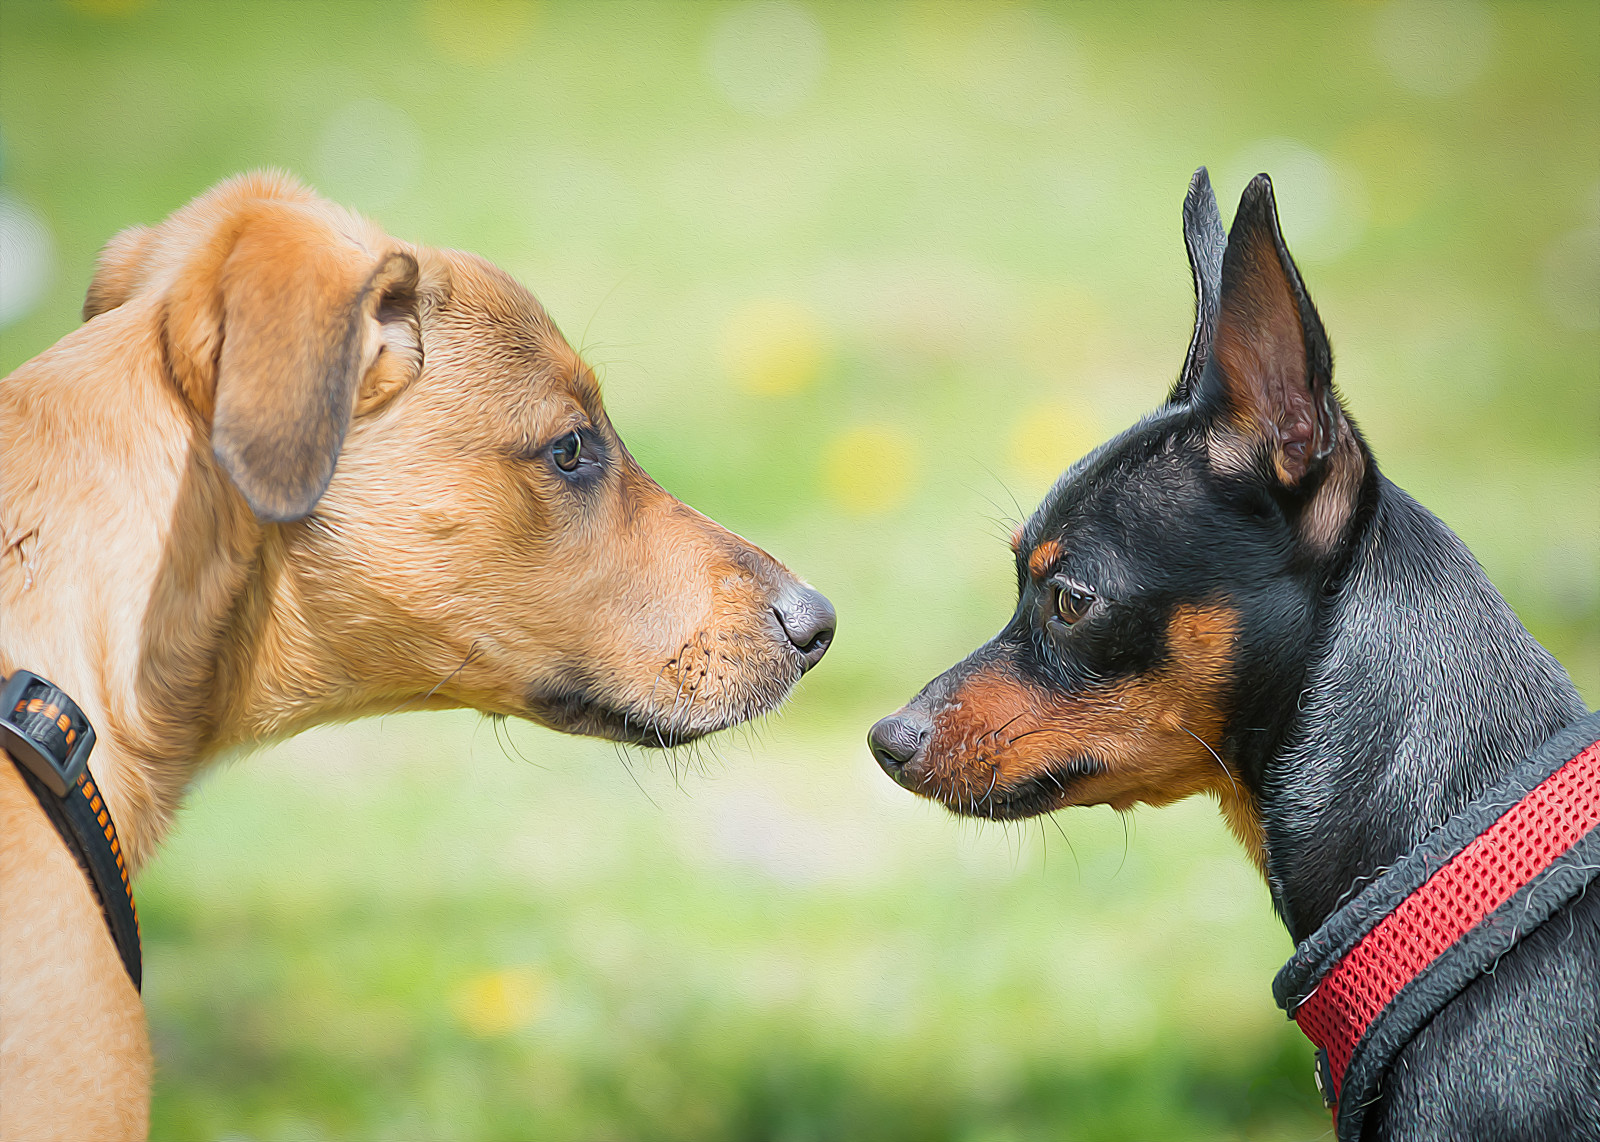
(766, 56)
(869, 469)
(1436, 47)
(496, 1003)
(1049, 437)
(1321, 204)
(772, 347)
(27, 258)
(478, 31)
(368, 155)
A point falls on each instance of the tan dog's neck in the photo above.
(72, 571)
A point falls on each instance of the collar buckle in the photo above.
(45, 730)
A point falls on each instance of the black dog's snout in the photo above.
(808, 619)
(897, 741)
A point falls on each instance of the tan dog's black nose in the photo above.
(808, 619)
(897, 740)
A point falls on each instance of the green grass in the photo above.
(782, 947)
(865, 331)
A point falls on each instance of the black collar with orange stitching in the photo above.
(48, 738)
(1386, 962)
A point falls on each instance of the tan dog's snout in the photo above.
(692, 628)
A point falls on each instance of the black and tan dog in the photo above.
(292, 470)
(1229, 598)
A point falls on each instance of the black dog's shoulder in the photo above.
(1516, 1056)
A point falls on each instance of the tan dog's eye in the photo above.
(1072, 603)
(567, 451)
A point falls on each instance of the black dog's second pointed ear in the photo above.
(1205, 239)
(1270, 364)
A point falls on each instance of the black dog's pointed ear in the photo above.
(1205, 239)
(1270, 366)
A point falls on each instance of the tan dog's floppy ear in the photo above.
(118, 271)
(302, 321)
(282, 315)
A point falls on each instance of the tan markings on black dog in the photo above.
(1043, 558)
(1004, 743)
(1324, 520)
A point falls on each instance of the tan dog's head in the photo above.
(445, 514)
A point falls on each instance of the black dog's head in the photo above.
(1168, 586)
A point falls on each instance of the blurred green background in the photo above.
(860, 281)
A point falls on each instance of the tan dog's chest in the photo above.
(72, 1031)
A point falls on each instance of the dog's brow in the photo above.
(586, 389)
(1043, 558)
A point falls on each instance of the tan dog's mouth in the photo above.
(720, 676)
(677, 714)
(577, 712)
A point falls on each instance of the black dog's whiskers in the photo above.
(1026, 734)
(1226, 772)
(1056, 821)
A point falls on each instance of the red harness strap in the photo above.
(1386, 962)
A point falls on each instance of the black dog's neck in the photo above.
(1423, 690)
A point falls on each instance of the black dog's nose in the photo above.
(808, 619)
(897, 740)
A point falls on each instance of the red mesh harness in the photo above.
(1384, 964)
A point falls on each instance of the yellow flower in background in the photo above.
(869, 468)
(1048, 438)
(772, 347)
(495, 1003)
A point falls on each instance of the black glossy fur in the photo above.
(1379, 682)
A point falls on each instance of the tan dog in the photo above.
(292, 470)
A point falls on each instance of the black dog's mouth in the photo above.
(1044, 792)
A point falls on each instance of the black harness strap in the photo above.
(48, 738)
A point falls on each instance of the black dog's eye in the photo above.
(567, 451)
(1072, 603)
